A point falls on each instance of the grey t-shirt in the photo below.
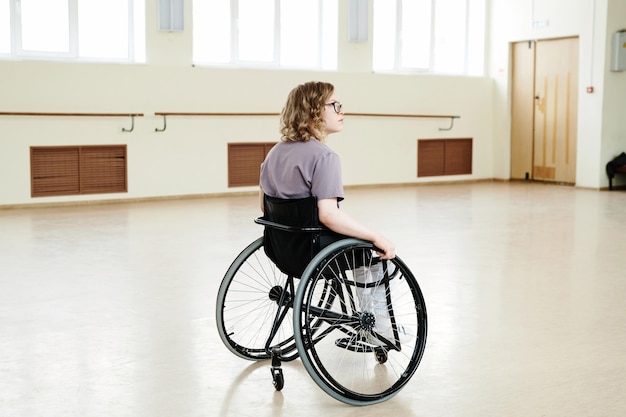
(302, 169)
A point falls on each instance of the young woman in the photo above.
(302, 165)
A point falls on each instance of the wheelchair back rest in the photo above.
(291, 247)
(298, 212)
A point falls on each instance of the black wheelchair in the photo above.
(357, 322)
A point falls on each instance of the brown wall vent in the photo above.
(71, 170)
(444, 157)
(244, 162)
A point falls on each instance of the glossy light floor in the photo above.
(109, 310)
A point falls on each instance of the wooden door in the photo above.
(556, 102)
(544, 110)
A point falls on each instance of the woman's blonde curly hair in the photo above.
(301, 118)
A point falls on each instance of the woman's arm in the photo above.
(340, 222)
(261, 194)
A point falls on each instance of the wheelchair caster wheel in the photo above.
(277, 372)
(381, 355)
(277, 379)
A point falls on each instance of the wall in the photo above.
(613, 123)
(189, 158)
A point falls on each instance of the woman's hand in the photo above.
(386, 246)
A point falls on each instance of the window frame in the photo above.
(235, 56)
(398, 65)
(73, 53)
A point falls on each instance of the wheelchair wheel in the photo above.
(363, 323)
(254, 307)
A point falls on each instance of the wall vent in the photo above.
(244, 162)
(444, 157)
(72, 170)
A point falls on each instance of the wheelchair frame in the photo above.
(258, 307)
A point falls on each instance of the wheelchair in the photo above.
(357, 322)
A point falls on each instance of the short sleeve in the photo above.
(326, 181)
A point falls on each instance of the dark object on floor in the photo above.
(616, 166)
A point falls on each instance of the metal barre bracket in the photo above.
(156, 129)
(451, 124)
(132, 124)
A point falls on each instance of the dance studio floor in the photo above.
(109, 309)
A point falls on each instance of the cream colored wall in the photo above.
(614, 121)
(590, 170)
(189, 158)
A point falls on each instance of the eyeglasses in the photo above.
(336, 106)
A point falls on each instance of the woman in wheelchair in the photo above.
(319, 284)
(301, 165)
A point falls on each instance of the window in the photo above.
(434, 36)
(5, 27)
(111, 30)
(266, 33)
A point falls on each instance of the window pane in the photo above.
(249, 32)
(450, 36)
(441, 36)
(416, 33)
(476, 38)
(5, 27)
(139, 30)
(384, 42)
(330, 29)
(299, 36)
(211, 31)
(256, 30)
(103, 29)
(45, 25)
